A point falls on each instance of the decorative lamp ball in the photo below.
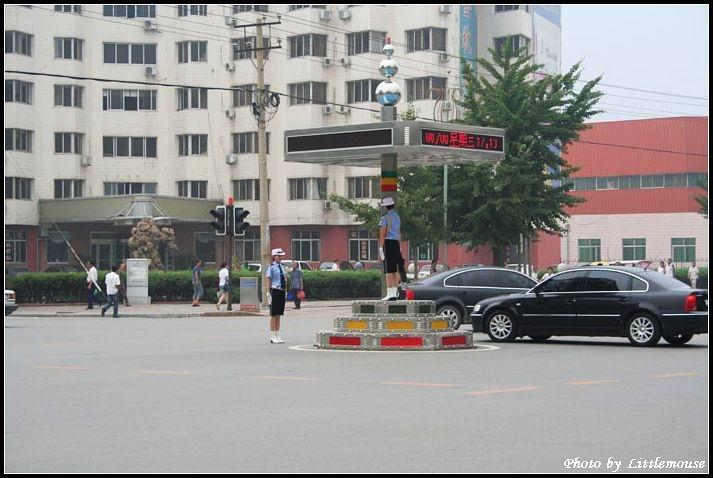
(388, 68)
(388, 49)
(388, 93)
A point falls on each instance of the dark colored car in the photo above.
(642, 305)
(64, 268)
(456, 291)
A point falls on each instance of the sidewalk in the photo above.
(156, 311)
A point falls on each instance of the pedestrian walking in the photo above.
(122, 287)
(662, 267)
(112, 281)
(335, 266)
(390, 248)
(298, 284)
(92, 278)
(359, 266)
(223, 284)
(670, 269)
(276, 284)
(550, 272)
(693, 274)
(197, 283)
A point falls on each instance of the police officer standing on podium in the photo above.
(390, 248)
(277, 284)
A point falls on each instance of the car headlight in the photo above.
(477, 308)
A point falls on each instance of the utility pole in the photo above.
(445, 214)
(262, 161)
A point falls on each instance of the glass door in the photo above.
(103, 253)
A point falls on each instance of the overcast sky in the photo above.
(651, 47)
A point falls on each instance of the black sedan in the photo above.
(639, 304)
(456, 291)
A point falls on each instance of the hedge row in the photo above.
(40, 288)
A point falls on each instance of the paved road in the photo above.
(211, 395)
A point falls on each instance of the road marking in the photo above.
(421, 384)
(296, 379)
(593, 382)
(56, 344)
(163, 372)
(476, 348)
(504, 390)
(672, 375)
(60, 367)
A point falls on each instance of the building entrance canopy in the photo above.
(416, 143)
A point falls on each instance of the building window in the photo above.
(18, 140)
(683, 249)
(245, 95)
(305, 245)
(185, 10)
(676, 180)
(652, 181)
(135, 147)
(15, 246)
(362, 91)
(310, 92)
(18, 188)
(193, 145)
(68, 48)
(365, 42)
(608, 183)
(192, 51)
(634, 249)
(192, 98)
(629, 182)
(68, 188)
(308, 45)
(205, 246)
(307, 188)
(18, 42)
(516, 42)
(426, 252)
(510, 8)
(292, 8)
(244, 143)
(249, 8)
(130, 100)
(68, 95)
(134, 53)
(247, 247)
(126, 189)
(249, 189)
(363, 246)
(17, 91)
(363, 187)
(68, 143)
(57, 250)
(193, 189)
(130, 11)
(426, 39)
(68, 9)
(590, 250)
(248, 43)
(430, 87)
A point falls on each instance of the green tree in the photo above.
(703, 200)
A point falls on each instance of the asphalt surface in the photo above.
(212, 395)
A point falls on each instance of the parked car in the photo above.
(457, 291)
(64, 268)
(16, 270)
(10, 305)
(642, 305)
(343, 266)
(303, 265)
(424, 270)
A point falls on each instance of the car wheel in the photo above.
(539, 338)
(678, 339)
(451, 312)
(643, 330)
(501, 326)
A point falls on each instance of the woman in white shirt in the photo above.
(224, 284)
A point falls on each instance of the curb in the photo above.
(145, 316)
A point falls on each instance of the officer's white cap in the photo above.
(388, 201)
(278, 252)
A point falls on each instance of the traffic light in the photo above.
(239, 225)
(220, 224)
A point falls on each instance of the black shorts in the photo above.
(392, 254)
(278, 302)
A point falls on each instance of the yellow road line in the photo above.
(593, 382)
(163, 372)
(672, 375)
(299, 379)
(421, 384)
(60, 367)
(504, 390)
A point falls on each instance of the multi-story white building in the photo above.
(94, 156)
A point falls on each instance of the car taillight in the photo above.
(410, 294)
(691, 304)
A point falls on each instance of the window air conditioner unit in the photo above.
(231, 158)
(327, 109)
(443, 57)
(230, 66)
(150, 24)
(345, 14)
(152, 71)
(325, 15)
(327, 62)
(230, 114)
(86, 160)
(230, 21)
(327, 206)
(445, 9)
(346, 61)
(447, 105)
(344, 110)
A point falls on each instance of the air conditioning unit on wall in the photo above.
(231, 158)
(327, 206)
(445, 8)
(86, 161)
(152, 71)
(150, 24)
(230, 114)
(345, 14)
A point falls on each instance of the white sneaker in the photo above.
(273, 339)
(279, 340)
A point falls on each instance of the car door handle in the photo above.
(463, 292)
(571, 301)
